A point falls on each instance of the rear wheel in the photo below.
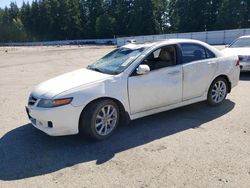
(217, 91)
(100, 119)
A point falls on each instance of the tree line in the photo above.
(44, 20)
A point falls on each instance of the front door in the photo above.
(160, 87)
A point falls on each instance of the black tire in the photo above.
(87, 124)
(211, 93)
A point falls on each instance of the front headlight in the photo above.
(49, 103)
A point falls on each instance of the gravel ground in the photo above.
(193, 146)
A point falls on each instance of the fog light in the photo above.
(50, 124)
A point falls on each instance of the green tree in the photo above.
(233, 14)
(91, 10)
(34, 23)
(142, 18)
(161, 16)
(74, 19)
(193, 15)
(13, 11)
(105, 26)
(121, 11)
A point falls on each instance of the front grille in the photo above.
(32, 101)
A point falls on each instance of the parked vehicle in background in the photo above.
(131, 41)
(131, 82)
(241, 48)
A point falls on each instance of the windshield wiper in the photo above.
(103, 71)
(95, 69)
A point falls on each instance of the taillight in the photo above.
(238, 63)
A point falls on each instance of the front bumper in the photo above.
(57, 121)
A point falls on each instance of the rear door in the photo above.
(199, 66)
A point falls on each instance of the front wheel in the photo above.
(217, 91)
(100, 119)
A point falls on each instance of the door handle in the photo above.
(174, 72)
(211, 63)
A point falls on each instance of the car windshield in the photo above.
(116, 61)
(242, 42)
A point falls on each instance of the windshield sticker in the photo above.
(127, 61)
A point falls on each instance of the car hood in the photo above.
(236, 51)
(65, 82)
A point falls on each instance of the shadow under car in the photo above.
(26, 152)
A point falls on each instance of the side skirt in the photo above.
(169, 107)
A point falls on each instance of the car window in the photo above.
(192, 52)
(240, 43)
(210, 54)
(116, 61)
(161, 58)
(157, 53)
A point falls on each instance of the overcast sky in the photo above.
(4, 3)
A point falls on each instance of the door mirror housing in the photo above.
(227, 46)
(142, 69)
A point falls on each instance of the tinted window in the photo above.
(161, 58)
(209, 54)
(192, 52)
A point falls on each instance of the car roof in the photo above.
(170, 42)
(161, 42)
(134, 46)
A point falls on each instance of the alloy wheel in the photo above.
(106, 120)
(219, 91)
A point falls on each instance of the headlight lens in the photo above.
(49, 103)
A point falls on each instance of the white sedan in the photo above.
(241, 48)
(131, 82)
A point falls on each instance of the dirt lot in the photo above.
(194, 146)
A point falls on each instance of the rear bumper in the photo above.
(234, 77)
(59, 121)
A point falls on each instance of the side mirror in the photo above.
(142, 69)
(227, 46)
